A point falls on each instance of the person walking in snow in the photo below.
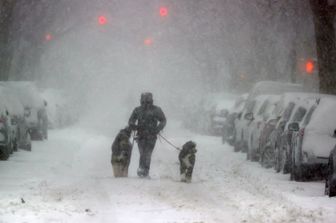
(121, 153)
(148, 120)
(187, 161)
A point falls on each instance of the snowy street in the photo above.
(69, 179)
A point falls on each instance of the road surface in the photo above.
(69, 179)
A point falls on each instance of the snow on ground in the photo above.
(69, 179)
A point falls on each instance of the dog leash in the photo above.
(175, 147)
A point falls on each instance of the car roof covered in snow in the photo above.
(239, 103)
(26, 92)
(296, 98)
(261, 99)
(10, 102)
(273, 87)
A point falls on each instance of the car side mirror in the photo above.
(249, 116)
(294, 126)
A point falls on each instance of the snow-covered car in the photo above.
(14, 115)
(312, 143)
(242, 135)
(264, 88)
(270, 140)
(60, 113)
(10, 110)
(283, 149)
(33, 103)
(257, 124)
(6, 144)
(219, 115)
(207, 113)
(273, 88)
(330, 184)
(241, 124)
(229, 131)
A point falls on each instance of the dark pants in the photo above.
(146, 147)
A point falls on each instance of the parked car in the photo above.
(258, 122)
(229, 130)
(13, 124)
(33, 104)
(273, 88)
(330, 184)
(313, 142)
(10, 110)
(283, 149)
(272, 137)
(241, 124)
(6, 144)
(261, 88)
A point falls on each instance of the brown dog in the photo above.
(121, 153)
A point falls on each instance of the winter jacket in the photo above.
(149, 120)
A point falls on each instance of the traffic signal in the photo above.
(310, 66)
(307, 66)
(48, 37)
(148, 41)
(102, 20)
(164, 11)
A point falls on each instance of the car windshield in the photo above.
(263, 107)
(299, 114)
(288, 111)
(309, 115)
(250, 105)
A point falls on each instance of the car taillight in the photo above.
(301, 132)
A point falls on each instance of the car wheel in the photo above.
(15, 146)
(296, 170)
(284, 161)
(4, 153)
(237, 147)
(249, 150)
(268, 157)
(330, 187)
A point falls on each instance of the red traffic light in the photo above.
(148, 41)
(102, 20)
(163, 11)
(309, 66)
(48, 37)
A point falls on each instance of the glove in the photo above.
(157, 131)
(133, 127)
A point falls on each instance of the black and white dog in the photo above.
(187, 161)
